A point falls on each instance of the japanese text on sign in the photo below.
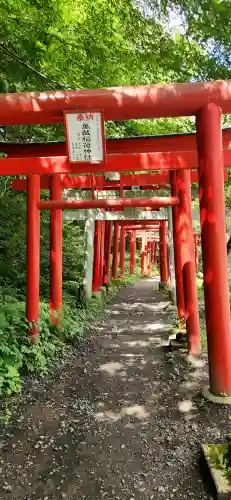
(85, 137)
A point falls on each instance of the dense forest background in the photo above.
(85, 44)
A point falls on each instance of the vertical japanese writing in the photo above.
(84, 132)
(86, 142)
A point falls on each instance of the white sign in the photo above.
(85, 139)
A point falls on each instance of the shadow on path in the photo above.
(120, 421)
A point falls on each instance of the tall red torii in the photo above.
(207, 101)
(118, 103)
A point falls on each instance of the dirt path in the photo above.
(121, 421)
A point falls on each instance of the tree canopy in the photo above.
(95, 43)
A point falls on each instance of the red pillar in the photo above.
(96, 263)
(146, 253)
(107, 251)
(188, 261)
(55, 251)
(214, 253)
(153, 254)
(115, 250)
(163, 253)
(33, 255)
(177, 253)
(142, 260)
(133, 252)
(149, 257)
(168, 261)
(101, 254)
(122, 250)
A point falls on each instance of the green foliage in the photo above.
(91, 43)
(13, 244)
(206, 24)
(19, 357)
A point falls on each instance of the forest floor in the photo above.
(121, 419)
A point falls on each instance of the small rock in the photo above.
(7, 487)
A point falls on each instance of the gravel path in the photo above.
(120, 420)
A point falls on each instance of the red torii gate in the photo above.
(179, 160)
(119, 103)
(133, 226)
(206, 101)
(146, 181)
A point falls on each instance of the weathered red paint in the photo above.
(121, 103)
(56, 263)
(33, 255)
(133, 251)
(188, 262)
(122, 250)
(214, 253)
(177, 252)
(115, 250)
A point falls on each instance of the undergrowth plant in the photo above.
(19, 357)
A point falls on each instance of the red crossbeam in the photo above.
(147, 222)
(140, 226)
(120, 163)
(122, 103)
(84, 182)
(145, 181)
(164, 143)
(110, 203)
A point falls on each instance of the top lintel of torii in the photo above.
(120, 103)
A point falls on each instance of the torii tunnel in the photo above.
(174, 160)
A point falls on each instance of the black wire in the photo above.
(28, 66)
